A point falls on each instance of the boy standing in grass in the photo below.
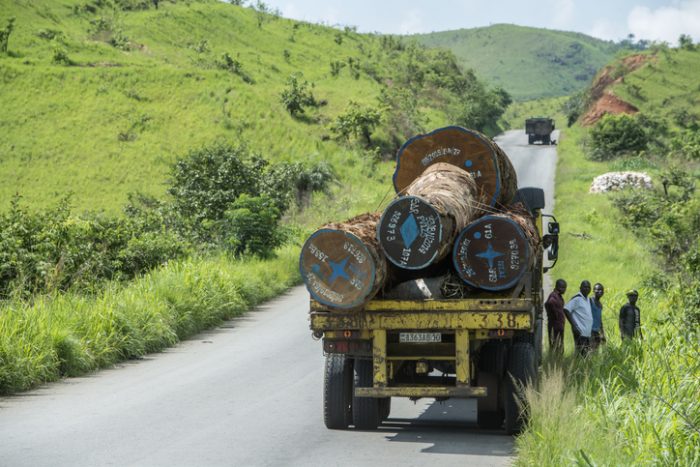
(578, 311)
(630, 322)
(555, 317)
(597, 331)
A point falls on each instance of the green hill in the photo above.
(527, 62)
(99, 97)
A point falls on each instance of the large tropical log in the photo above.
(467, 149)
(341, 263)
(495, 251)
(418, 229)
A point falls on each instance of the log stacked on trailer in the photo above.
(495, 251)
(342, 265)
(419, 229)
(467, 149)
(455, 188)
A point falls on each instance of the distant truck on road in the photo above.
(539, 129)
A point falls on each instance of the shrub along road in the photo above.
(247, 393)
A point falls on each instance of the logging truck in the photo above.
(487, 345)
(539, 129)
(439, 296)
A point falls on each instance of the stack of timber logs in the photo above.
(452, 218)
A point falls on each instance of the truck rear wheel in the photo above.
(522, 371)
(489, 411)
(384, 407)
(365, 410)
(337, 392)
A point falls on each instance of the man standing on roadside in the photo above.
(597, 331)
(578, 312)
(556, 318)
(630, 322)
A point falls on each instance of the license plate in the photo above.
(419, 337)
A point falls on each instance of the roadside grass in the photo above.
(72, 334)
(631, 403)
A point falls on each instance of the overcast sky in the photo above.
(659, 20)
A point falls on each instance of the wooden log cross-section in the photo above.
(467, 149)
(418, 229)
(341, 264)
(495, 251)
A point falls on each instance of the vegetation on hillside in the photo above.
(631, 403)
(528, 62)
(102, 95)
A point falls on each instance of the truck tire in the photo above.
(384, 407)
(521, 372)
(530, 139)
(337, 392)
(489, 410)
(546, 140)
(365, 410)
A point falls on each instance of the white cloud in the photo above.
(666, 23)
(411, 22)
(605, 29)
(562, 13)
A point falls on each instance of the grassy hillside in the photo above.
(637, 400)
(527, 62)
(98, 101)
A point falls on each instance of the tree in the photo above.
(297, 95)
(685, 42)
(5, 34)
(616, 134)
(357, 121)
(208, 180)
(252, 226)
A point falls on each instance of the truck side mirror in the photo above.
(553, 228)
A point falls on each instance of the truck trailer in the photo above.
(483, 345)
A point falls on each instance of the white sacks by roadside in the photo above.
(614, 181)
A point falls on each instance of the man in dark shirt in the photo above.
(629, 317)
(555, 317)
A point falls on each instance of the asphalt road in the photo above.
(245, 394)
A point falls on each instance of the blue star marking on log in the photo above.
(338, 270)
(409, 231)
(489, 255)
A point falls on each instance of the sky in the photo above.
(655, 20)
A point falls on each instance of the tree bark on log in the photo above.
(495, 251)
(418, 229)
(467, 149)
(341, 263)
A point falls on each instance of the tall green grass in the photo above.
(631, 403)
(71, 334)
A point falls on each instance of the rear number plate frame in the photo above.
(420, 337)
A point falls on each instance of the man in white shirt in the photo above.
(578, 312)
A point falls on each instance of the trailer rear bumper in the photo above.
(422, 391)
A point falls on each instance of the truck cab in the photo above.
(478, 344)
(539, 129)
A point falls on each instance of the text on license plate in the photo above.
(420, 337)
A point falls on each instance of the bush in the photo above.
(206, 181)
(297, 95)
(357, 121)
(251, 226)
(53, 250)
(615, 135)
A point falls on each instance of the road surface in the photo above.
(245, 394)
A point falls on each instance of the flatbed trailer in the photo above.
(487, 345)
